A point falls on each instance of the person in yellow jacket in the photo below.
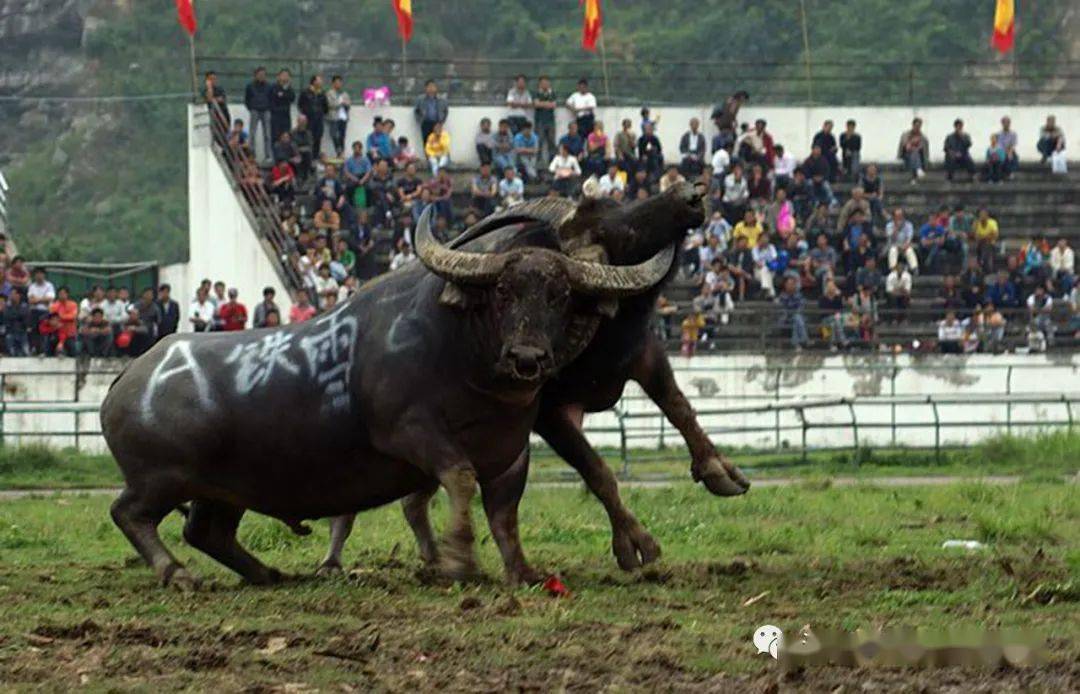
(437, 148)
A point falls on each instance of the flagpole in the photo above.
(403, 64)
(194, 74)
(603, 63)
(806, 50)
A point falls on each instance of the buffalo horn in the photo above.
(597, 279)
(453, 265)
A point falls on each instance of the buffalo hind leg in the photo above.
(631, 544)
(415, 507)
(138, 514)
(340, 529)
(653, 372)
(501, 497)
(211, 528)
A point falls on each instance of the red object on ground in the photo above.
(555, 587)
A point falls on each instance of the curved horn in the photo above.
(453, 265)
(619, 280)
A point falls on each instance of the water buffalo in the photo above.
(624, 348)
(430, 374)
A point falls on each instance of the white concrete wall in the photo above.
(794, 127)
(223, 244)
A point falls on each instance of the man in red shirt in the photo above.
(233, 313)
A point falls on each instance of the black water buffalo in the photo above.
(431, 373)
(624, 348)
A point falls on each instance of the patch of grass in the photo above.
(38, 467)
(81, 608)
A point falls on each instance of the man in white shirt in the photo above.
(1063, 265)
(783, 167)
(39, 294)
(115, 309)
(403, 257)
(950, 335)
(736, 193)
(518, 104)
(1041, 307)
(721, 159)
(898, 288)
(612, 181)
(583, 105)
(88, 304)
(201, 312)
(763, 254)
(511, 189)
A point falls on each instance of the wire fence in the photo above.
(629, 82)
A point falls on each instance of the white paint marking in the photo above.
(181, 349)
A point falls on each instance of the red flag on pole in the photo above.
(185, 14)
(403, 10)
(590, 29)
(1004, 26)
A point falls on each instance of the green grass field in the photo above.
(80, 608)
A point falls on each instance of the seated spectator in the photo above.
(720, 284)
(650, 152)
(304, 142)
(511, 189)
(914, 150)
(96, 299)
(484, 189)
(66, 312)
(817, 169)
(780, 215)
(1036, 255)
(344, 262)
(596, 152)
(403, 257)
(670, 178)
(1008, 140)
(639, 186)
(867, 276)
(994, 168)
(404, 154)
(858, 234)
(1051, 139)
(831, 305)
(749, 227)
(327, 220)
(326, 287)
(736, 194)
(381, 192)
(932, 241)
(759, 187)
(972, 285)
(1040, 309)
(301, 310)
(898, 291)
(802, 197)
(874, 190)
(437, 148)
(755, 145)
(565, 170)
(329, 187)
(96, 335)
(857, 201)
(692, 326)
(823, 260)
(526, 145)
(238, 137)
(613, 180)
(408, 187)
(485, 142)
(1063, 267)
(442, 189)
(986, 234)
(1003, 292)
(784, 167)
(503, 150)
(950, 335)
(283, 182)
(851, 151)
(575, 143)
(357, 171)
(379, 143)
(958, 151)
(17, 323)
(765, 263)
(17, 275)
(825, 141)
(625, 149)
(740, 263)
(692, 149)
(134, 336)
(900, 235)
(791, 316)
(862, 324)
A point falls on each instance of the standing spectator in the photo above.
(851, 151)
(257, 96)
(503, 147)
(582, 104)
(484, 189)
(233, 314)
(302, 310)
(526, 145)
(430, 109)
(898, 290)
(950, 335)
(914, 150)
(544, 105)
(150, 317)
(1051, 139)
(900, 235)
(985, 231)
(518, 103)
(263, 308)
(1063, 266)
(958, 151)
(201, 312)
(692, 149)
(511, 189)
(17, 324)
(565, 171)
(826, 141)
(169, 310)
(39, 295)
(96, 334)
(725, 116)
(338, 102)
(484, 141)
(1008, 141)
(596, 151)
(132, 337)
(1040, 309)
(304, 141)
(216, 101)
(282, 97)
(791, 304)
(650, 153)
(313, 104)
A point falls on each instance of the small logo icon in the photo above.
(767, 639)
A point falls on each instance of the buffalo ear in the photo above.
(607, 307)
(454, 296)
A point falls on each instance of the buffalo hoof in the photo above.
(721, 478)
(458, 571)
(182, 580)
(634, 547)
(329, 568)
(526, 576)
(270, 577)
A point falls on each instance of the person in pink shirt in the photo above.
(302, 310)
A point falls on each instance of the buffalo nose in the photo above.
(528, 361)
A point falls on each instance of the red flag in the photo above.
(590, 29)
(403, 10)
(1004, 26)
(185, 14)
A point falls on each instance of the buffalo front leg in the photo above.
(632, 545)
(653, 372)
(415, 507)
(211, 527)
(501, 497)
(138, 513)
(457, 558)
(340, 529)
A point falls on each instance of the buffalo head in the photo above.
(535, 309)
